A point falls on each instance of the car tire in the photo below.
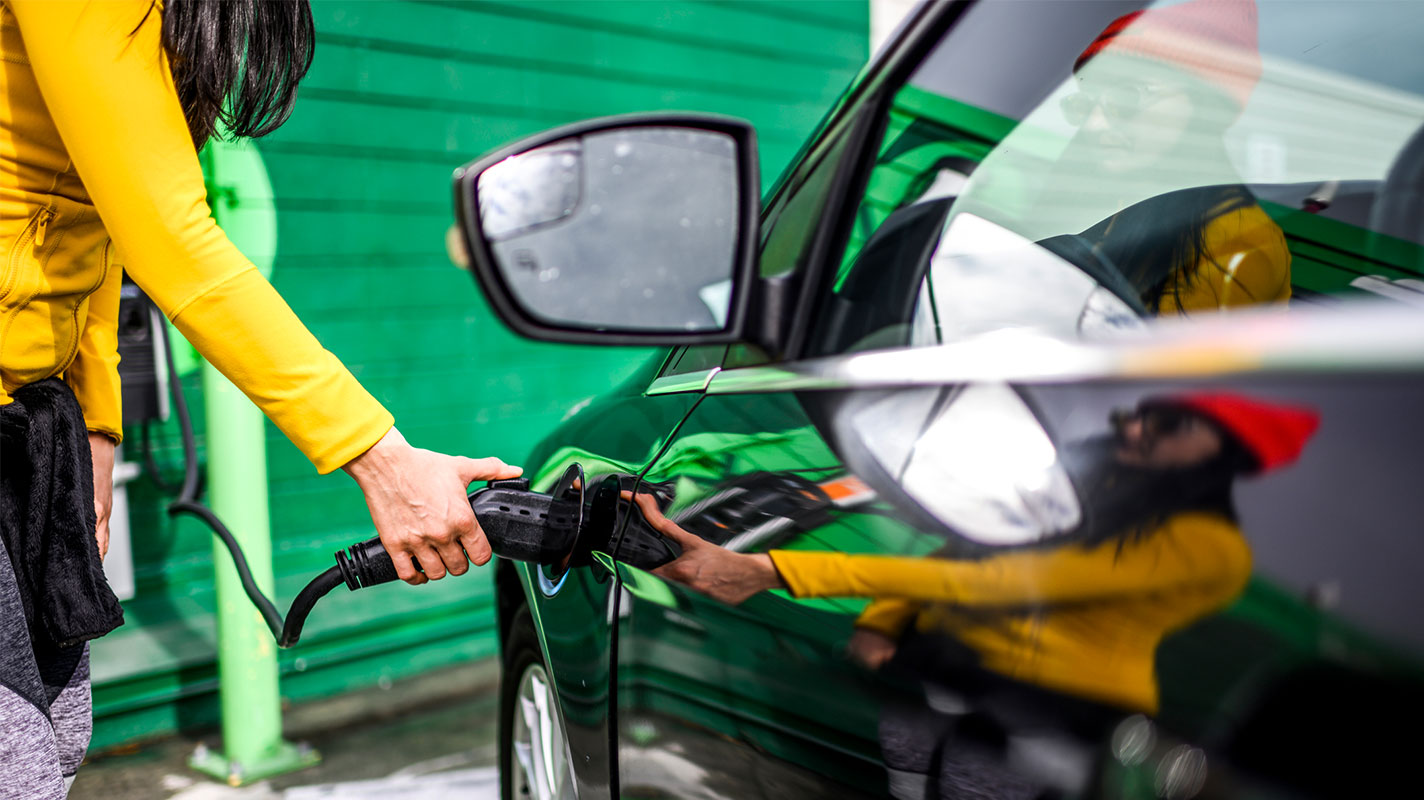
(534, 759)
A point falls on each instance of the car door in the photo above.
(693, 714)
(761, 698)
(969, 453)
(754, 700)
(573, 609)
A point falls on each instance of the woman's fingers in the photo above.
(101, 531)
(453, 556)
(418, 502)
(660, 523)
(485, 469)
(476, 547)
(101, 453)
(406, 567)
(431, 563)
(452, 545)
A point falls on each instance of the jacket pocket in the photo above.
(79, 313)
(20, 250)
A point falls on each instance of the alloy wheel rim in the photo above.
(541, 767)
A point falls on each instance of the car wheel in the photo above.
(534, 754)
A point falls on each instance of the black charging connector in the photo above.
(519, 525)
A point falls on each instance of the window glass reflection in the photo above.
(1182, 157)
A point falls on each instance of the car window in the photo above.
(1083, 168)
(791, 220)
(687, 360)
(794, 215)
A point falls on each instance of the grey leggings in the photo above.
(45, 707)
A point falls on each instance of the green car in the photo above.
(1050, 429)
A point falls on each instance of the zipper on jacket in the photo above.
(45, 216)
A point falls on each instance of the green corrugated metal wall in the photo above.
(399, 95)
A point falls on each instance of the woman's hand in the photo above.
(418, 501)
(871, 649)
(705, 567)
(101, 452)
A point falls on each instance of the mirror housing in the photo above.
(531, 219)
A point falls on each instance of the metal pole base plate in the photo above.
(285, 757)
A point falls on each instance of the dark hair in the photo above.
(237, 62)
(1126, 504)
(1158, 243)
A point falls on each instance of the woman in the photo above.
(105, 105)
(1155, 94)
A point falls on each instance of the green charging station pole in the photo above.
(253, 747)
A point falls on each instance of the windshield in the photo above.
(1163, 159)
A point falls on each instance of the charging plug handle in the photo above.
(519, 525)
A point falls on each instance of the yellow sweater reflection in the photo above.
(1249, 264)
(1084, 621)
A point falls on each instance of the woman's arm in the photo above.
(94, 377)
(889, 616)
(112, 98)
(1188, 549)
(107, 85)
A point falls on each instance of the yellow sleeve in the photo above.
(1189, 549)
(112, 98)
(94, 375)
(1250, 263)
(890, 616)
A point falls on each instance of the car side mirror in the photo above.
(621, 230)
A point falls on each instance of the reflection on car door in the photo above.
(756, 700)
(617, 433)
(1108, 612)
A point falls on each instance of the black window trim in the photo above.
(901, 63)
(862, 115)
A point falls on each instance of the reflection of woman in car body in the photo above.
(1159, 548)
(1156, 91)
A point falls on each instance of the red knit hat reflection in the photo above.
(1274, 433)
(1214, 40)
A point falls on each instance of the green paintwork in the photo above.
(1327, 254)
(640, 583)
(770, 674)
(398, 96)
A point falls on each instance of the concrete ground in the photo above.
(429, 737)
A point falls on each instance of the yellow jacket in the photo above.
(1084, 621)
(1250, 263)
(96, 161)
